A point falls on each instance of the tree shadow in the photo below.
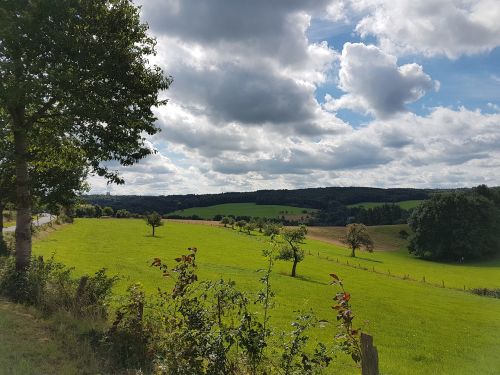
(303, 278)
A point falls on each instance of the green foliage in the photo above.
(387, 302)
(271, 229)
(154, 220)
(49, 286)
(122, 214)
(108, 211)
(457, 226)
(356, 237)
(290, 249)
(208, 328)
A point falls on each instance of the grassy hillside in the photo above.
(385, 237)
(406, 205)
(418, 328)
(28, 346)
(243, 209)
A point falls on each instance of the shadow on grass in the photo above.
(151, 236)
(303, 278)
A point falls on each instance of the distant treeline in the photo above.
(337, 213)
(331, 202)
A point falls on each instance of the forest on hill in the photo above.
(318, 198)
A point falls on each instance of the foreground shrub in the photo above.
(210, 327)
(50, 287)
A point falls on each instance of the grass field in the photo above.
(418, 328)
(406, 205)
(28, 346)
(243, 209)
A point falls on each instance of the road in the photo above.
(42, 219)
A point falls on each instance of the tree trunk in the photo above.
(153, 230)
(353, 254)
(1, 227)
(23, 219)
(294, 268)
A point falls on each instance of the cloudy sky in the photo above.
(307, 93)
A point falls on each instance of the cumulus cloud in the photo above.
(433, 27)
(374, 82)
(243, 112)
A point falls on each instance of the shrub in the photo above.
(210, 327)
(495, 293)
(122, 214)
(50, 287)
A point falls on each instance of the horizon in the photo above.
(279, 94)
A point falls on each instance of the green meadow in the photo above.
(243, 209)
(406, 205)
(418, 328)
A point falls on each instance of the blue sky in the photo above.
(298, 93)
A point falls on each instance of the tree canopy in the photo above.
(457, 226)
(77, 72)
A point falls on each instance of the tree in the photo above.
(260, 224)
(457, 226)
(356, 237)
(225, 221)
(108, 211)
(240, 224)
(79, 71)
(271, 229)
(291, 251)
(154, 221)
(122, 214)
(98, 210)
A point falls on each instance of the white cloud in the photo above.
(243, 113)
(375, 84)
(432, 27)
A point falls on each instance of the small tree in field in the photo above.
(291, 250)
(225, 221)
(154, 221)
(240, 224)
(108, 211)
(356, 237)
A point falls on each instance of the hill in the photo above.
(410, 320)
(244, 209)
(405, 205)
(317, 198)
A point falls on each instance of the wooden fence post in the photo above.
(369, 356)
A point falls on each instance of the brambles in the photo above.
(210, 327)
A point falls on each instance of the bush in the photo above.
(205, 327)
(122, 214)
(495, 293)
(50, 287)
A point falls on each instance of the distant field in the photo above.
(244, 209)
(385, 237)
(7, 223)
(418, 328)
(406, 205)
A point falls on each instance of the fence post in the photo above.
(369, 356)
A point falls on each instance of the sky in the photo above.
(283, 94)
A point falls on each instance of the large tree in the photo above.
(457, 226)
(79, 71)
